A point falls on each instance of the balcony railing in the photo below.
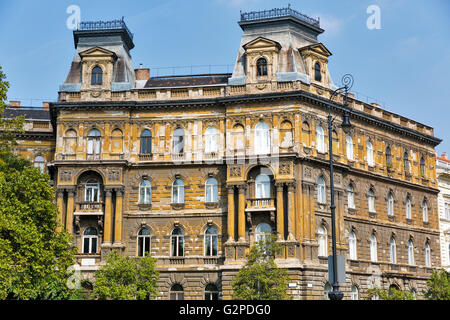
(87, 206)
(276, 13)
(261, 204)
(105, 25)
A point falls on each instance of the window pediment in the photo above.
(262, 43)
(98, 52)
(317, 49)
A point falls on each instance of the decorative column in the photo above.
(107, 218)
(118, 218)
(280, 211)
(291, 210)
(69, 214)
(241, 213)
(60, 204)
(230, 216)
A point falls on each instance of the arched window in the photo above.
(238, 138)
(354, 293)
(370, 160)
(425, 211)
(39, 163)
(117, 141)
(211, 137)
(349, 147)
(406, 164)
(390, 204)
(262, 138)
(320, 139)
(263, 230)
(352, 246)
(410, 252)
(261, 67)
(92, 191)
(145, 192)
(211, 245)
(211, 190)
(286, 139)
(422, 167)
(177, 243)
(317, 73)
(178, 191)
(211, 292)
(176, 292)
(262, 186)
(178, 141)
(321, 196)
(447, 211)
(408, 208)
(146, 142)
(393, 250)
(427, 255)
(327, 289)
(143, 242)
(93, 145)
(388, 158)
(97, 75)
(70, 142)
(373, 248)
(371, 200)
(306, 134)
(90, 240)
(323, 241)
(350, 197)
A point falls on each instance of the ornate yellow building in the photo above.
(194, 169)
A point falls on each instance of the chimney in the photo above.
(444, 156)
(45, 105)
(142, 73)
(14, 104)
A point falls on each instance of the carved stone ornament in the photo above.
(114, 175)
(65, 175)
(235, 171)
(285, 169)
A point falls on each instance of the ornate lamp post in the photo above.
(347, 81)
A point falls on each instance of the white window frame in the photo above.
(350, 197)
(371, 200)
(178, 141)
(179, 242)
(352, 246)
(320, 139)
(369, 149)
(392, 251)
(143, 238)
(321, 190)
(349, 147)
(427, 255)
(373, 248)
(39, 162)
(211, 140)
(179, 197)
(390, 204)
(94, 194)
(262, 138)
(262, 186)
(93, 142)
(411, 261)
(425, 211)
(354, 294)
(323, 241)
(90, 238)
(145, 191)
(211, 190)
(260, 231)
(408, 208)
(213, 240)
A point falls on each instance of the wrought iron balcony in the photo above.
(260, 204)
(90, 207)
(276, 13)
(105, 25)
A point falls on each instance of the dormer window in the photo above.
(317, 73)
(261, 67)
(97, 75)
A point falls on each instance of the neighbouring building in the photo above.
(193, 169)
(443, 178)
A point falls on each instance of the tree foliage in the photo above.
(260, 278)
(391, 294)
(125, 278)
(438, 286)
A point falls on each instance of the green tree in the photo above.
(438, 286)
(392, 294)
(260, 278)
(125, 278)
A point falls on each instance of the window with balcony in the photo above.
(143, 242)
(177, 243)
(176, 292)
(262, 138)
(93, 143)
(352, 250)
(320, 139)
(90, 240)
(211, 292)
(321, 196)
(146, 142)
(373, 248)
(392, 250)
(211, 245)
(211, 190)
(97, 76)
(323, 241)
(370, 159)
(261, 67)
(92, 191)
(211, 140)
(178, 191)
(262, 186)
(349, 147)
(145, 192)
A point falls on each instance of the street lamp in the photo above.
(347, 81)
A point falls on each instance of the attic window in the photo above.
(97, 74)
(261, 67)
(317, 73)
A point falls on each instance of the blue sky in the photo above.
(404, 66)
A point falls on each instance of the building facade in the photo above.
(443, 177)
(194, 169)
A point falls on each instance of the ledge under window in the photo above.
(144, 206)
(177, 206)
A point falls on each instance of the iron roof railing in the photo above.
(278, 12)
(105, 25)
